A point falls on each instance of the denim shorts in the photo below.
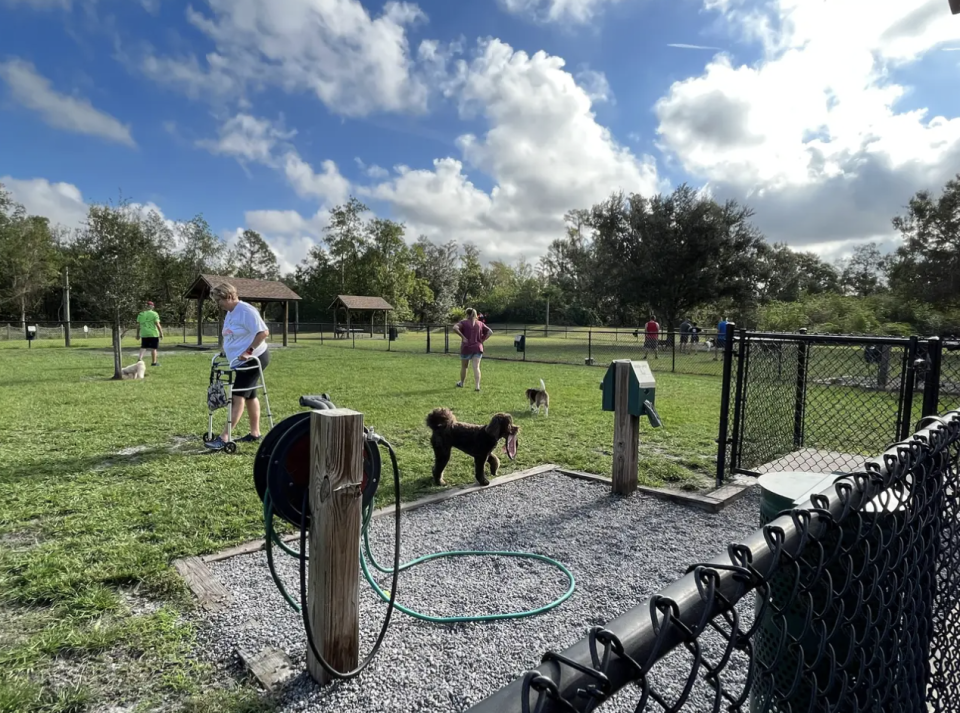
(468, 357)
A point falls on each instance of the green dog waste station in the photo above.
(852, 619)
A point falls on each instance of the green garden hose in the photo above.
(272, 538)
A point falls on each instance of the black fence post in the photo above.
(524, 342)
(428, 339)
(673, 351)
(931, 377)
(743, 351)
(446, 340)
(722, 438)
(590, 347)
(800, 398)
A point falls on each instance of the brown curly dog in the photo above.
(474, 440)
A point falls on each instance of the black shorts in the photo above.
(149, 342)
(684, 338)
(248, 379)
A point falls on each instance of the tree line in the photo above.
(629, 257)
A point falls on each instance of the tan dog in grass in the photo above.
(134, 371)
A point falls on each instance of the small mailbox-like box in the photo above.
(520, 342)
(31, 332)
(643, 388)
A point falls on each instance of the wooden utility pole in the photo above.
(626, 432)
(66, 305)
(333, 584)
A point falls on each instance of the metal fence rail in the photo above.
(845, 603)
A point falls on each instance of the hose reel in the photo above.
(281, 474)
(282, 463)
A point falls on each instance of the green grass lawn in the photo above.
(104, 486)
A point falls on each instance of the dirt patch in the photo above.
(108, 463)
(186, 445)
(138, 603)
(19, 624)
(132, 450)
(27, 536)
(19, 541)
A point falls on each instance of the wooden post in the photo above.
(199, 320)
(66, 305)
(626, 433)
(333, 584)
(286, 320)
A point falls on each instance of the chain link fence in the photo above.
(846, 602)
(824, 403)
(668, 352)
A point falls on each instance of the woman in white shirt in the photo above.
(244, 336)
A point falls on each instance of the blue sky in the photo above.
(823, 122)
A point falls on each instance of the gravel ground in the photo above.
(620, 552)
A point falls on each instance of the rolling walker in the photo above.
(220, 394)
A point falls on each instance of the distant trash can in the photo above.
(867, 536)
(520, 342)
(393, 334)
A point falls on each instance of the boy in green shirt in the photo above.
(149, 331)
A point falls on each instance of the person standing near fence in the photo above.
(244, 337)
(652, 337)
(473, 333)
(721, 337)
(686, 327)
(149, 332)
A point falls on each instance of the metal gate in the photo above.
(826, 403)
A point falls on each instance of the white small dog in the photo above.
(134, 371)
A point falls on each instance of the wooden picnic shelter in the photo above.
(262, 292)
(357, 303)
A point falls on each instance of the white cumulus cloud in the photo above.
(543, 149)
(569, 11)
(74, 114)
(62, 203)
(354, 62)
(813, 136)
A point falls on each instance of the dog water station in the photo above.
(629, 390)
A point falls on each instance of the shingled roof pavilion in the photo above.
(263, 292)
(355, 303)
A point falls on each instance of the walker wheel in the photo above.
(230, 447)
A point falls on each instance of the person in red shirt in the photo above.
(652, 340)
(473, 333)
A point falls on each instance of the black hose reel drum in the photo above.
(282, 463)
